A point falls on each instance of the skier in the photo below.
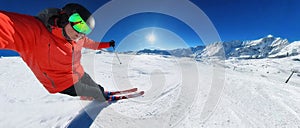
(51, 43)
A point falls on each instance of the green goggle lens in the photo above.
(79, 24)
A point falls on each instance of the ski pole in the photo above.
(289, 77)
(116, 55)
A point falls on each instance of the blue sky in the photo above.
(233, 20)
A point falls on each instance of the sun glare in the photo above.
(151, 38)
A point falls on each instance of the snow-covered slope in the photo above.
(25, 103)
(254, 93)
(290, 50)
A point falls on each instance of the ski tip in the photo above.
(133, 89)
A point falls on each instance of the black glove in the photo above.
(112, 43)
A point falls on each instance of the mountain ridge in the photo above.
(266, 47)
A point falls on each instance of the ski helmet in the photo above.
(73, 8)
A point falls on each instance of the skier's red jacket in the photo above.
(54, 60)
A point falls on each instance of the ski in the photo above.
(125, 96)
(109, 93)
(118, 95)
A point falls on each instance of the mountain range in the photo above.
(266, 47)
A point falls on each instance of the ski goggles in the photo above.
(79, 25)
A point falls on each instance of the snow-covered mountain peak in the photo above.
(265, 41)
(290, 50)
(270, 36)
(251, 49)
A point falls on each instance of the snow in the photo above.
(270, 36)
(291, 49)
(25, 103)
(179, 92)
(266, 47)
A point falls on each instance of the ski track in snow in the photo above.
(254, 94)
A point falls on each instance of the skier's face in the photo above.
(73, 35)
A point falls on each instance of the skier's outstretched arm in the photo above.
(90, 44)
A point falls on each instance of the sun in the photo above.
(151, 38)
